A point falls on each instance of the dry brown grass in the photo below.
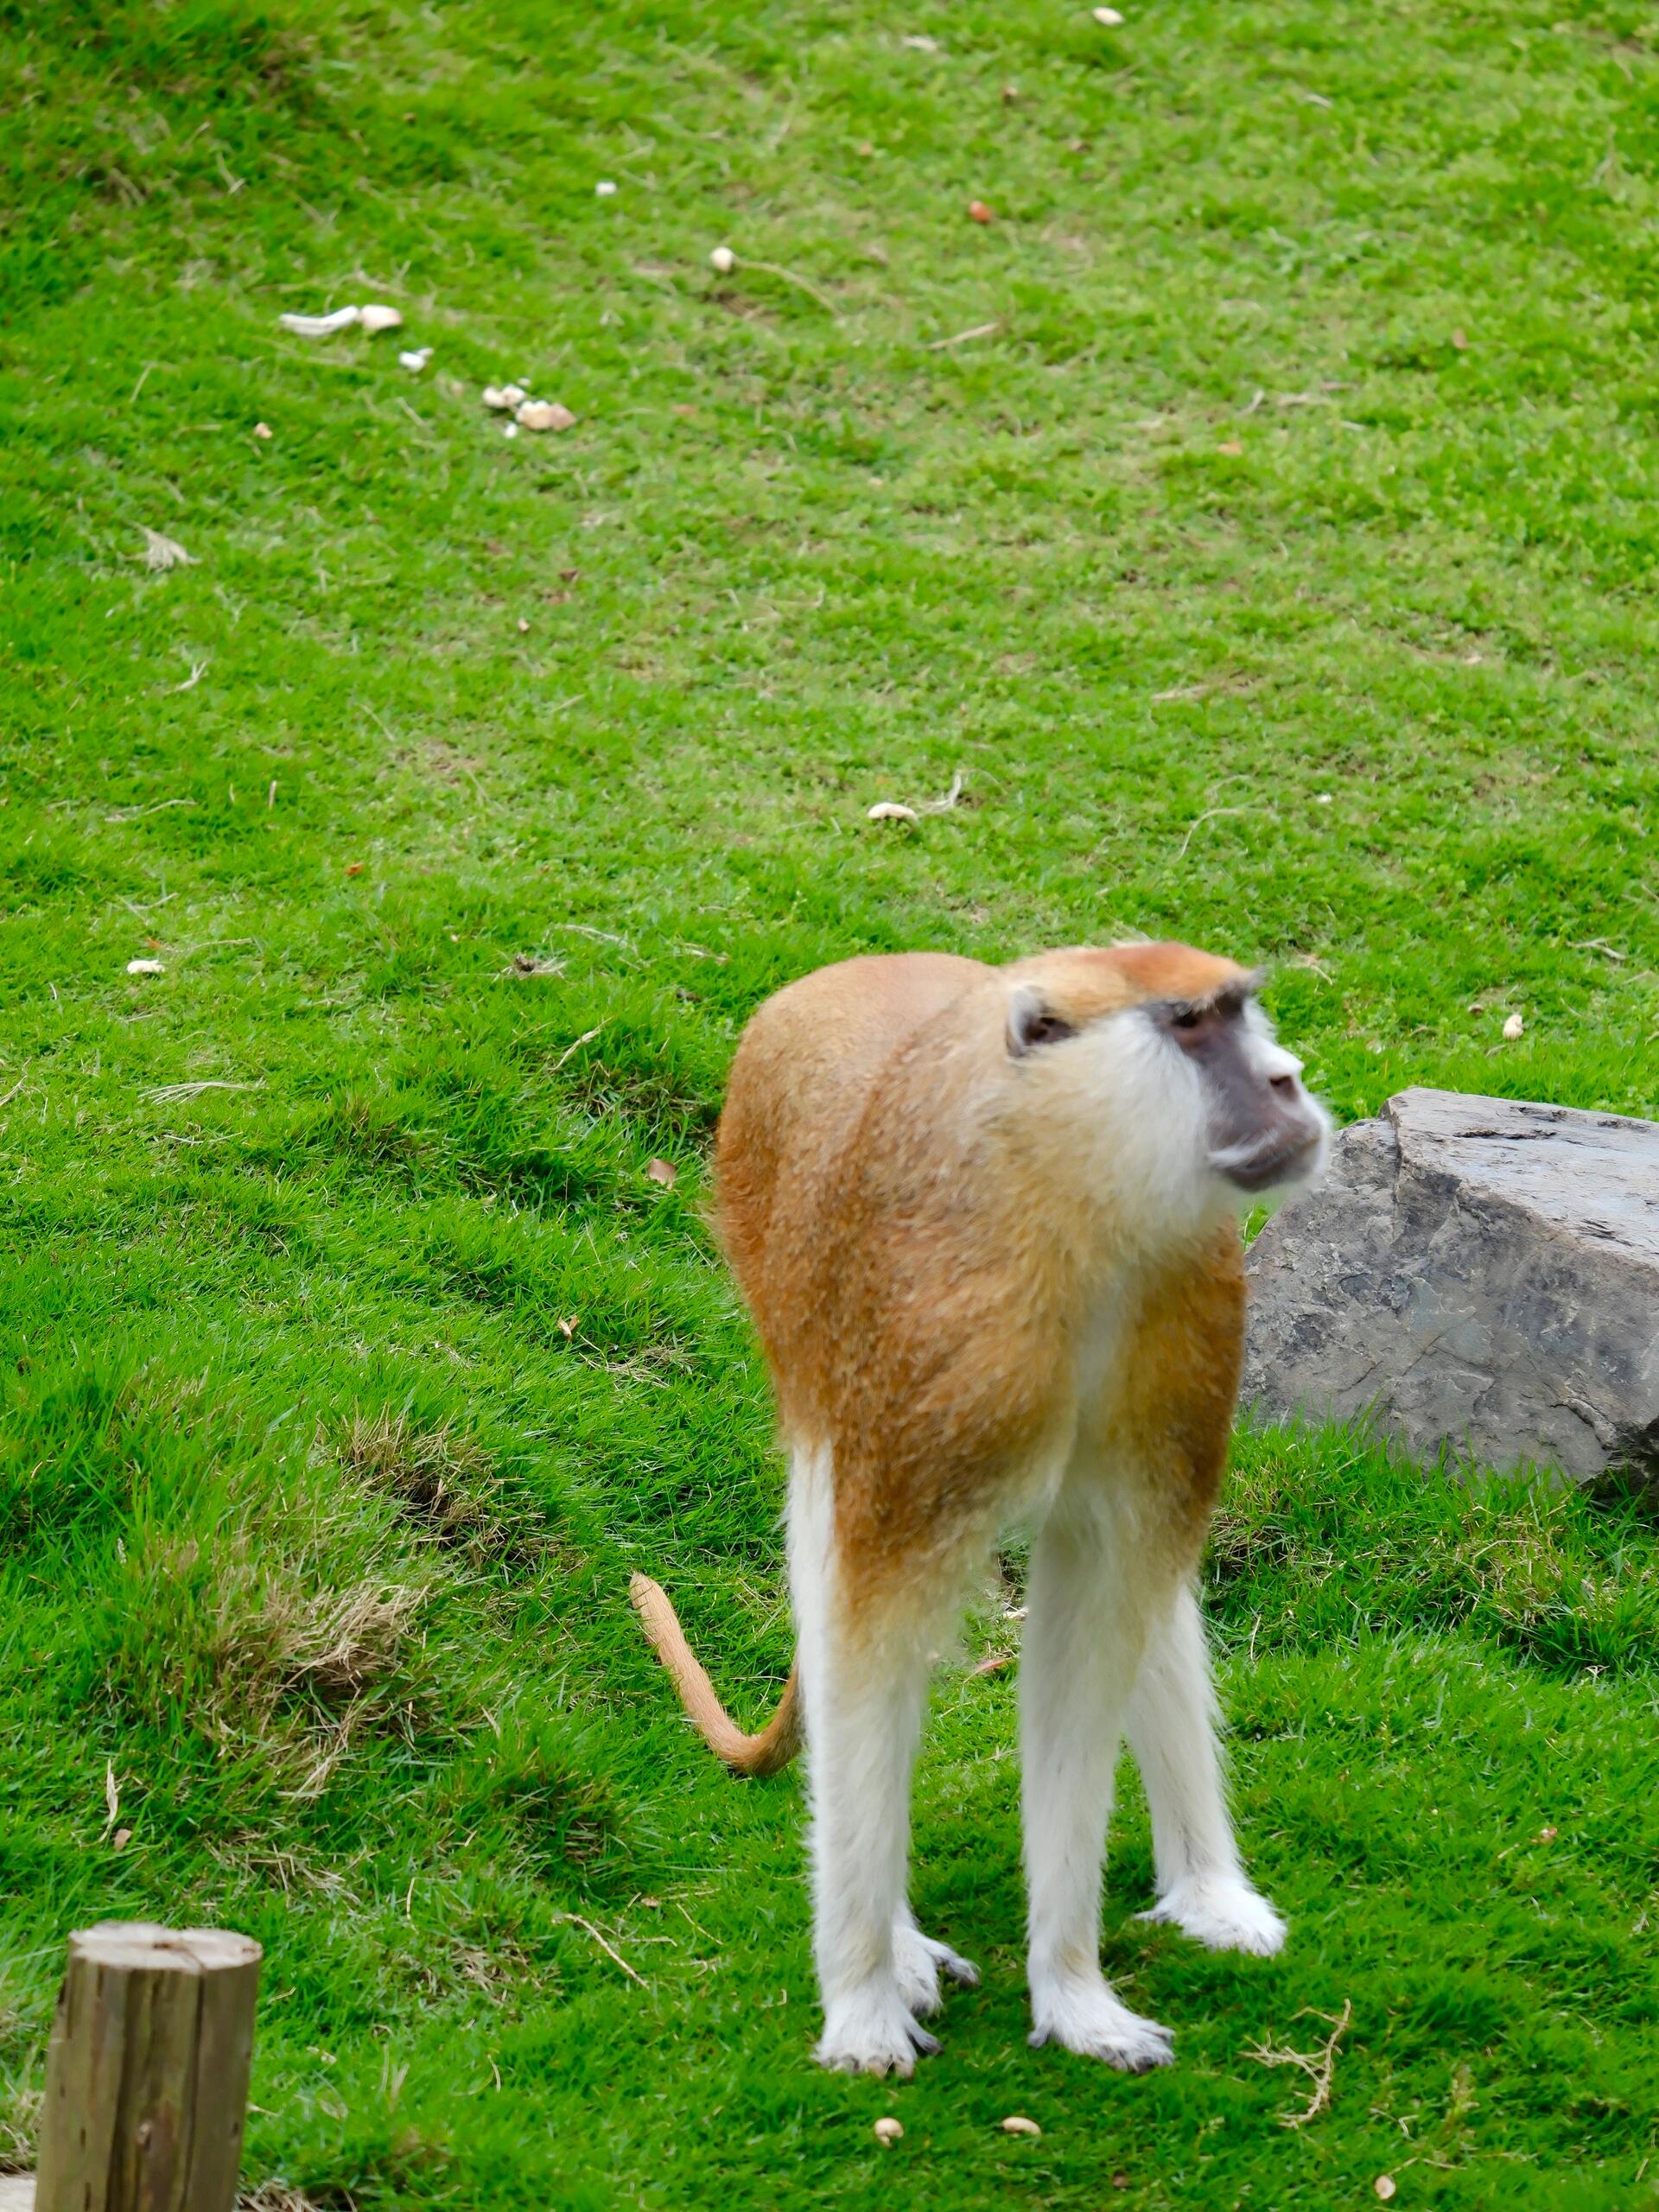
(444, 1483)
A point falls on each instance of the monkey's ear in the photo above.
(1031, 1024)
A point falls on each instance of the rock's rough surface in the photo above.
(1478, 1275)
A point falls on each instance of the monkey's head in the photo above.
(1157, 1065)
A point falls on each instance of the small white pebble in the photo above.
(723, 260)
(416, 360)
(1017, 2123)
(1107, 18)
(143, 967)
(888, 2130)
(604, 189)
(1514, 1028)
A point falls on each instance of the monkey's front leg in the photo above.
(1202, 1886)
(1083, 1637)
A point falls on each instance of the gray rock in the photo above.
(1479, 1277)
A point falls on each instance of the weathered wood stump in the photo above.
(147, 2072)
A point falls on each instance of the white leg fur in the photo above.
(1202, 1886)
(863, 1712)
(1082, 1650)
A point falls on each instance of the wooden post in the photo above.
(147, 2072)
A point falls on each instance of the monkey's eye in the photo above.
(1188, 1018)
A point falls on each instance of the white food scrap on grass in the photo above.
(545, 415)
(1514, 1028)
(663, 1172)
(723, 260)
(162, 552)
(415, 359)
(1017, 2123)
(262, 430)
(376, 316)
(1385, 2186)
(887, 2129)
(604, 189)
(144, 967)
(502, 398)
(919, 42)
(887, 810)
(320, 326)
(1107, 18)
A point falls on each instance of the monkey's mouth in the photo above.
(1286, 1156)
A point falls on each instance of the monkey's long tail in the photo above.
(770, 1751)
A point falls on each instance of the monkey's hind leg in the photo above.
(863, 1674)
(1083, 1637)
(1202, 1886)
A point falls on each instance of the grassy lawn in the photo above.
(1257, 517)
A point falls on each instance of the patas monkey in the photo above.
(986, 1221)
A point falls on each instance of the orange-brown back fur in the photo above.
(917, 1266)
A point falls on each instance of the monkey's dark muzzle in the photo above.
(1285, 1154)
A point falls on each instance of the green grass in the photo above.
(1278, 572)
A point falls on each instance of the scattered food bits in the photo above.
(567, 1329)
(545, 415)
(162, 552)
(1120, 2180)
(604, 189)
(510, 431)
(1514, 1028)
(1384, 2185)
(1321, 798)
(887, 2129)
(144, 967)
(416, 360)
(1017, 2123)
(919, 42)
(1547, 1835)
(663, 1172)
(1232, 446)
(1460, 342)
(320, 326)
(722, 261)
(354, 867)
(522, 626)
(262, 430)
(1107, 18)
(1010, 94)
(373, 318)
(980, 213)
(887, 809)
(501, 398)
(121, 1839)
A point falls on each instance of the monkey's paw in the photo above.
(1226, 1914)
(1083, 2016)
(871, 2029)
(918, 1961)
